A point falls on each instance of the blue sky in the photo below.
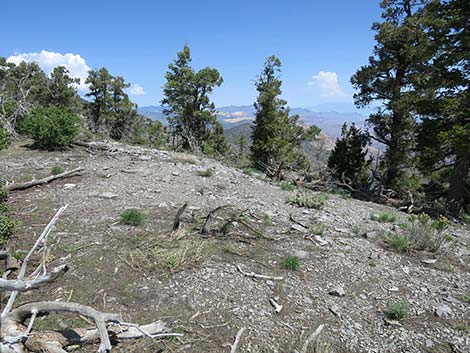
(320, 43)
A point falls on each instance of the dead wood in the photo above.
(176, 222)
(204, 228)
(35, 182)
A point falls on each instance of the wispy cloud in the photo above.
(328, 84)
(136, 90)
(48, 60)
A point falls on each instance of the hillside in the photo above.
(330, 122)
(198, 283)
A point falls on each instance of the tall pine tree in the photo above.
(388, 80)
(276, 136)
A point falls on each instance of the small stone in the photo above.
(337, 292)
(299, 228)
(175, 173)
(443, 311)
(69, 186)
(393, 289)
(145, 158)
(429, 343)
(370, 235)
(107, 195)
(301, 254)
(451, 299)
(429, 261)
(335, 310)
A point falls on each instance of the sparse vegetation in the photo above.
(56, 170)
(399, 243)
(132, 217)
(287, 186)
(398, 310)
(291, 263)
(384, 217)
(4, 139)
(315, 201)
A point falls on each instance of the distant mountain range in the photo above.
(231, 116)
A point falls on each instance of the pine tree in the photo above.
(111, 110)
(276, 136)
(188, 107)
(348, 160)
(444, 134)
(388, 78)
(61, 90)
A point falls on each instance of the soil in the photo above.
(190, 280)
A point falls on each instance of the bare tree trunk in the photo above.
(455, 194)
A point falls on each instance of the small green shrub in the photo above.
(308, 200)
(287, 186)
(3, 195)
(132, 217)
(291, 263)
(5, 141)
(56, 170)
(53, 128)
(384, 217)
(205, 173)
(398, 310)
(7, 227)
(426, 234)
(267, 219)
(399, 243)
(465, 298)
(465, 217)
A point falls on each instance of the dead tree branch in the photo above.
(29, 184)
(176, 222)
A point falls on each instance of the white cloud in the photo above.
(48, 60)
(328, 84)
(136, 90)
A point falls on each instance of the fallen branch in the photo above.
(258, 276)
(311, 338)
(277, 307)
(23, 286)
(237, 340)
(176, 222)
(29, 184)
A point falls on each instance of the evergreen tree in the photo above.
(348, 161)
(444, 135)
(188, 107)
(216, 143)
(276, 135)
(111, 110)
(61, 90)
(388, 78)
(242, 142)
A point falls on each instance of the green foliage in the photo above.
(111, 111)
(7, 227)
(57, 169)
(291, 263)
(53, 128)
(3, 195)
(287, 186)
(216, 144)
(384, 217)
(400, 49)
(276, 136)
(315, 201)
(156, 134)
(61, 91)
(189, 111)
(132, 217)
(399, 243)
(398, 310)
(4, 139)
(348, 161)
(465, 217)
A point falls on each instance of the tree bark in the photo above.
(455, 194)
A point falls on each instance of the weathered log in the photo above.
(29, 184)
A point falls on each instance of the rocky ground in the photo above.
(348, 275)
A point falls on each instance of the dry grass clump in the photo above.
(171, 253)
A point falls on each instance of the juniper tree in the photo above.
(190, 112)
(388, 80)
(348, 159)
(276, 136)
(61, 90)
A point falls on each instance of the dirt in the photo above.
(191, 281)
